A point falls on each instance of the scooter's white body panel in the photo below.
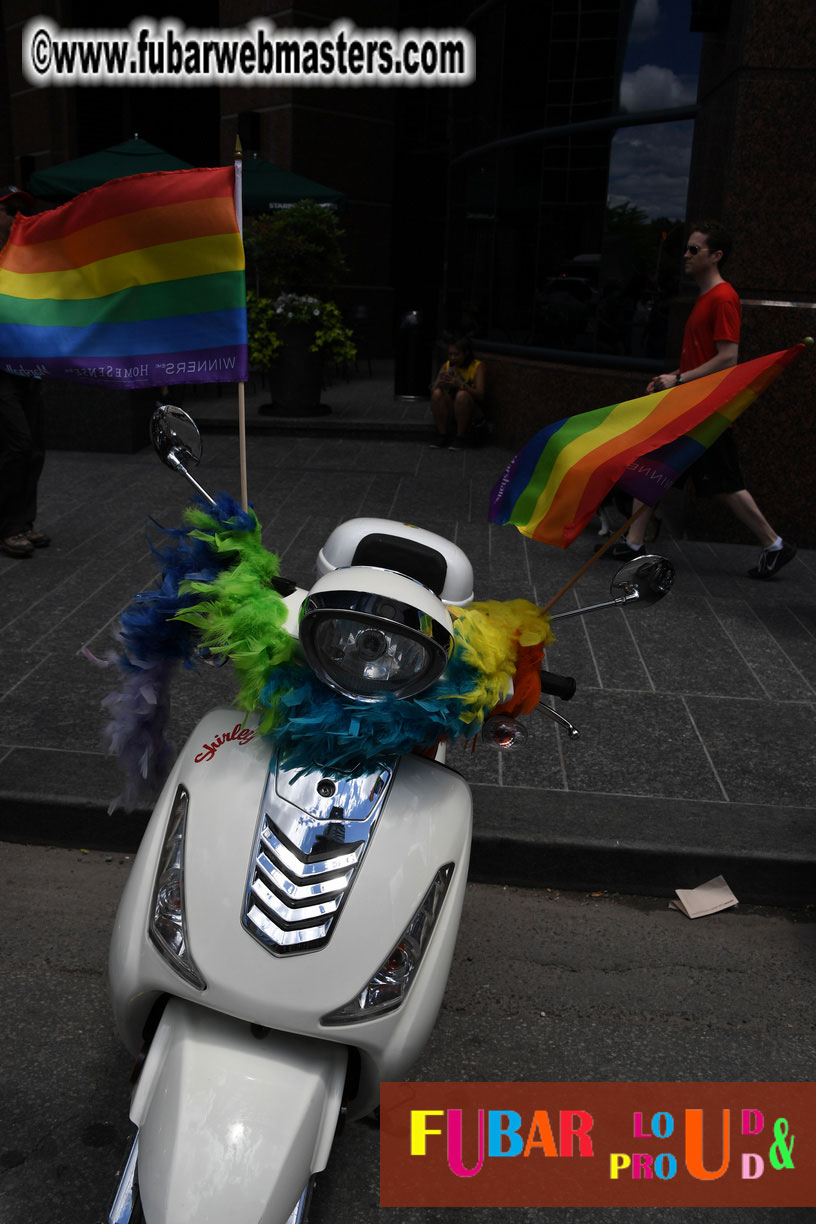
(243, 1081)
(231, 1124)
(424, 824)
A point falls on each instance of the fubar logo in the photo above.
(504, 1136)
(598, 1145)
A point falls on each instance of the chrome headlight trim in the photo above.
(167, 924)
(393, 622)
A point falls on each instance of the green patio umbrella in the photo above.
(267, 187)
(131, 157)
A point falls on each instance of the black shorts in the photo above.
(717, 470)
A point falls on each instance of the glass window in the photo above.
(575, 243)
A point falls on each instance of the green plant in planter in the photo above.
(332, 337)
(296, 250)
(267, 319)
(264, 342)
(297, 257)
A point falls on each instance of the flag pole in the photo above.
(239, 213)
(608, 544)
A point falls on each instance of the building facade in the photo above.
(487, 207)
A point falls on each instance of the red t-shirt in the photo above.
(716, 315)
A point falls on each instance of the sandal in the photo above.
(18, 546)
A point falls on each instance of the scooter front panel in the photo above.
(420, 822)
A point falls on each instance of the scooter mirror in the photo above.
(647, 579)
(175, 436)
(177, 442)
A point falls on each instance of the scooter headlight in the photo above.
(167, 929)
(388, 987)
(369, 644)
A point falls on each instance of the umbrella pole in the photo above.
(623, 527)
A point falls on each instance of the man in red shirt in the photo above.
(711, 342)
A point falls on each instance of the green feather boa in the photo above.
(240, 616)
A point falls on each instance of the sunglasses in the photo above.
(692, 248)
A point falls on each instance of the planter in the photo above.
(295, 378)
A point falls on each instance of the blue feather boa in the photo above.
(315, 723)
(153, 643)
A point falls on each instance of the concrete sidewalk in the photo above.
(696, 716)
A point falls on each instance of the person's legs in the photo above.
(32, 403)
(632, 543)
(22, 454)
(16, 449)
(464, 410)
(442, 410)
(776, 552)
(637, 532)
(742, 504)
(717, 474)
(725, 480)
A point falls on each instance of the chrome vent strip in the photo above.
(303, 892)
(297, 867)
(286, 939)
(307, 852)
(289, 913)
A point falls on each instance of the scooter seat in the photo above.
(405, 556)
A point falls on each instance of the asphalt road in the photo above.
(545, 986)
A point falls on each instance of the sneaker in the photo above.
(439, 442)
(456, 444)
(771, 561)
(620, 551)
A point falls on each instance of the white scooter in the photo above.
(285, 937)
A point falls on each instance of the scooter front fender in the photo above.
(233, 1121)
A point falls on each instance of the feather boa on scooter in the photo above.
(215, 595)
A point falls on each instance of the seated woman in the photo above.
(458, 397)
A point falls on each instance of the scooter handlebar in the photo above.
(557, 686)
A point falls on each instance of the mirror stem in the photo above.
(175, 463)
(543, 708)
(632, 597)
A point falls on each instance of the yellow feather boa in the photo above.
(489, 634)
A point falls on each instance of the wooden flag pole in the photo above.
(239, 213)
(608, 544)
(242, 444)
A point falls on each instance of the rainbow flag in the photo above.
(137, 283)
(552, 487)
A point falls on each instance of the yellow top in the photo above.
(466, 373)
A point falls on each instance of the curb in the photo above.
(648, 846)
(524, 848)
